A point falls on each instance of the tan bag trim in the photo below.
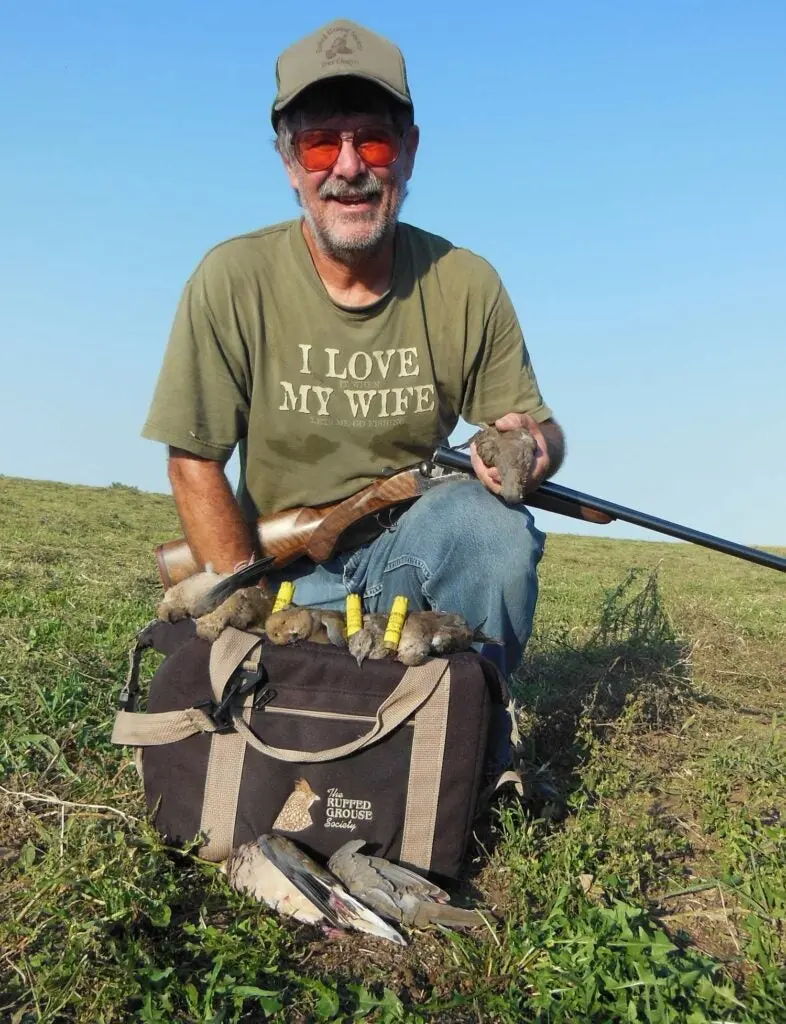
(227, 750)
(152, 730)
(416, 687)
(227, 654)
(222, 789)
(425, 775)
(137, 729)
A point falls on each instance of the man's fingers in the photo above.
(488, 475)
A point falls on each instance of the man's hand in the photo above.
(549, 451)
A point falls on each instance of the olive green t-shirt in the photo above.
(323, 399)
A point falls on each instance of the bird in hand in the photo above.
(277, 872)
(318, 625)
(511, 452)
(395, 892)
(368, 641)
(436, 633)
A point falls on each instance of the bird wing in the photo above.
(323, 889)
(298, 871)
(363, 880)
(404, 880)
(247, 577)
(249, 870)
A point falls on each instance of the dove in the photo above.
(180, 600)
(396, 892)
(368, 641)
(226, 585)
(426, 633)
(414, 645)
(197, 597)
(245, 609)
(511, 452)
(277, 872)
(300, 623)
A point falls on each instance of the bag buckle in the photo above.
(242, 683)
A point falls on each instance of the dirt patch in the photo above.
(417, 973)
(707, 920)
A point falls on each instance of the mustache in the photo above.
(368, 187)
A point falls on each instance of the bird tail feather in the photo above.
(247, 577)
(445, 915)
(354, 914)
(402, 877)
(340, 909)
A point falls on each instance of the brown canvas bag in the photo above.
(244, 737)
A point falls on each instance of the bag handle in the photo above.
(230, 651)
(416, 686)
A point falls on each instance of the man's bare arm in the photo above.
(211, 518)
(555, 444)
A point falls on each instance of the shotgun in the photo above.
(322, 531)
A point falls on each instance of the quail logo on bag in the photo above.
(295, 815)
(341, 812)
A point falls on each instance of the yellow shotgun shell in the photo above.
(284, 596)
(354, 614)
(398, 614)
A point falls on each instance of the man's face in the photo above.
(352, 208)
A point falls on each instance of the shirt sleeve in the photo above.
(501, 378)
(202, 396)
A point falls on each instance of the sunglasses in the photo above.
(317, 149)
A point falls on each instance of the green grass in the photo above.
(644, 880)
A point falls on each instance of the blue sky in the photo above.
(622, 165)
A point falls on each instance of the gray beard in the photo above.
(352, 251)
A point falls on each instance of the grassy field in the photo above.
(644, 879)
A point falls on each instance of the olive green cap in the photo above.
(339, 48)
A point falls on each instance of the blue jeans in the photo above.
(457, 549)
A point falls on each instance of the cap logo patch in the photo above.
(337, 45)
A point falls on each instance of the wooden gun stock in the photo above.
(283, 535)
(317, 532)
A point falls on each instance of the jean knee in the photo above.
(506, 533)
(472, 528)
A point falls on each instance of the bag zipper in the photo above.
(264, 706)
(338, 716)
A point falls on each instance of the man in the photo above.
(344, 345)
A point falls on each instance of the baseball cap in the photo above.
(339, 48)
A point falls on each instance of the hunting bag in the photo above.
(245, 737)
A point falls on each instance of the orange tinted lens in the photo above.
(317, 150)
(377, 146)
